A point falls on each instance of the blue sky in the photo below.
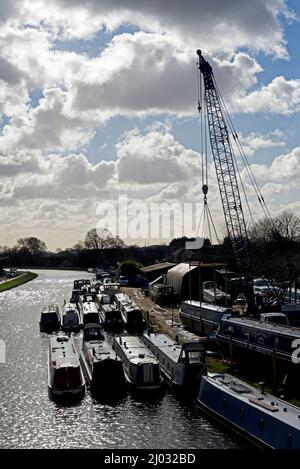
(99, 99)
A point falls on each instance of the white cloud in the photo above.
(280, 96)
(155, 157)
(254, 142)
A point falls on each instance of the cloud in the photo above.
(229, 25)
(254, 142)
(155, 157)
(46, 127)
(280, 96)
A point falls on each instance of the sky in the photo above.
(98, 100)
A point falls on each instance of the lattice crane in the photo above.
(227, 180)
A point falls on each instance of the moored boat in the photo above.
(89, 309)
(181, 365)
(257, 416)
(266, 344)
(102, 367)
(141, 368)
(65, 377)
(131, 313)
(70, 320)
(50, 319)
(202, 317)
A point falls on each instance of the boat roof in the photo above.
(89, 307)
(62, 351)
(69, 307)
(202, 304)
(266, 326)
(135, 350)
(100, 350)
(171, 348)
(266, 403)
(50, 309)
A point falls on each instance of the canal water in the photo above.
(28, 419)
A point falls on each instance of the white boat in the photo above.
(211, 294)
(131, 313)
(89, 309)
(65, 377)
(141, 368)
(255, 415)
(70, 319)
(102, 367)
(181, 365)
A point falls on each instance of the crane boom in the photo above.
(227, 180)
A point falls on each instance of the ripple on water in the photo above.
(30, 420)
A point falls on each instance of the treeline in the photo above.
(275, 250)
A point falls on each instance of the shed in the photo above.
(154, 271)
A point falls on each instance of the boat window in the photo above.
(106, 300)
(194, 356)
(276, 342)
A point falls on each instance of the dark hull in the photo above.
(263, 358)
(106, 378)
(49, 328)
(201, 326)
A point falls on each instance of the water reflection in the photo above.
(29, 419)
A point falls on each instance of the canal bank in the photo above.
(17, 281)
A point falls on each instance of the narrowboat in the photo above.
(70, 318)
(131, 313)
(181, 365)
(89, 309)
(267, 344)
(65, 377)
(258, 417)
(200, 317)
(102, 367)
(50, 319)
(141, 368)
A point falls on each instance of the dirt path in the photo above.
(165, 320)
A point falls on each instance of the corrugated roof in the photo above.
(153, 267)
(176, 274)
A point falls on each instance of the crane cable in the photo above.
(244, 158)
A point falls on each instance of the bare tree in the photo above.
(288, 225)
(101, 239)
(32, 245)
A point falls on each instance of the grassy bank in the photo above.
(15, 282)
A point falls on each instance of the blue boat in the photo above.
(258, 417)
(247, 340)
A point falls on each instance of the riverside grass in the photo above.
(15, 282)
